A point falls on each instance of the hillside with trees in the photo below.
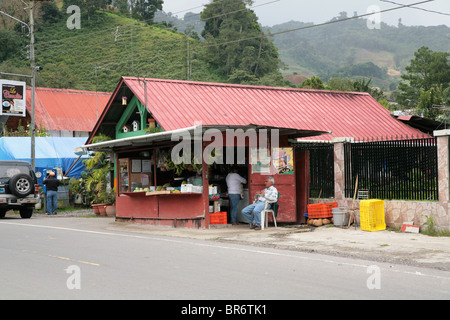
(226, 43)
(112, 42)
(350, 49)
(341, 50)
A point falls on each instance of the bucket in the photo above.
(340, 217)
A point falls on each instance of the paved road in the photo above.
(47, 259)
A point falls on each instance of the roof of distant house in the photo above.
(66, 109)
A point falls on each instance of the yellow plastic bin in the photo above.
(372, 215)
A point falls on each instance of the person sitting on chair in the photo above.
(253, 212)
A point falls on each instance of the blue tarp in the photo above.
(50, 152)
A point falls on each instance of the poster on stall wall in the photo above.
(260, 160)
(283, 160)
(13, 98)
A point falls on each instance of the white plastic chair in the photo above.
(265, 215)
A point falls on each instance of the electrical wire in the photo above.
(51, 53)
(141, 57)
(148, 20)
(423, 9)
(308, 27)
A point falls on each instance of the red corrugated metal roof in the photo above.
(64, 109)
(179, 104)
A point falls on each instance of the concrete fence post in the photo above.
(442, 218)
(339, 170)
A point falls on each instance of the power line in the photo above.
(144, 21)
(352, 18)
(125, 33)
(423, 9)
(173, 52)
(295, 29)
(100, 43)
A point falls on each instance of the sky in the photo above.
(272, 12)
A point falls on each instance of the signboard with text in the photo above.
(13, 98)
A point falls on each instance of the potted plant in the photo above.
(110, 200)
(96, 183)
(76, 187)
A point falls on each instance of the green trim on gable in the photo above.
(132, 105)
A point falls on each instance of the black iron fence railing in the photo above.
(396, 169)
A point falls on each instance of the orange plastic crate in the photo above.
(321, 210)
(218, 218)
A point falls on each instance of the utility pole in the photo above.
(33, 87)
(31, 6)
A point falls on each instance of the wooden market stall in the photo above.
(149, 192)
(147, 118)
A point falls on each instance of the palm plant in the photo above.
(99, 167)
(96, 184)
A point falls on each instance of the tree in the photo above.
(13, 8)
(236, 45)
(359, 85)
(312, 83)
(427, 70)
(88, 7)
(50, 12)
(364, 86)
(430, 102)
(11, 44)
(140, 9)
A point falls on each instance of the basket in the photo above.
(321, 210)
(371, 215)
(218, 217)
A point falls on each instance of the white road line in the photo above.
(281, 254)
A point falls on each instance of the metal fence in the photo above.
(396, 169)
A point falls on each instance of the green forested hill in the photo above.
(110, 45)
(116, 46)
(345, 49)
(351, 49)
(107, 47)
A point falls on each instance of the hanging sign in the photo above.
(13, 98)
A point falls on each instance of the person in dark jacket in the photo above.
(52, 193)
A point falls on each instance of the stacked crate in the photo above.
(321, 210)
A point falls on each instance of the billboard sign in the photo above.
(13, 98)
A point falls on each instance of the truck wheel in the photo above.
(26, 212)
(2, 213)
(21, 185)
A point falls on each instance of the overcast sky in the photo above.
(271, 12)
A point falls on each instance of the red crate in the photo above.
(332, 204)
(218, 218)
(321, 210)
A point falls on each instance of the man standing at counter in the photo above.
(234, 181)
(253, 212)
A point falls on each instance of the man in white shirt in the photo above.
(253, 212)
(234, 181)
